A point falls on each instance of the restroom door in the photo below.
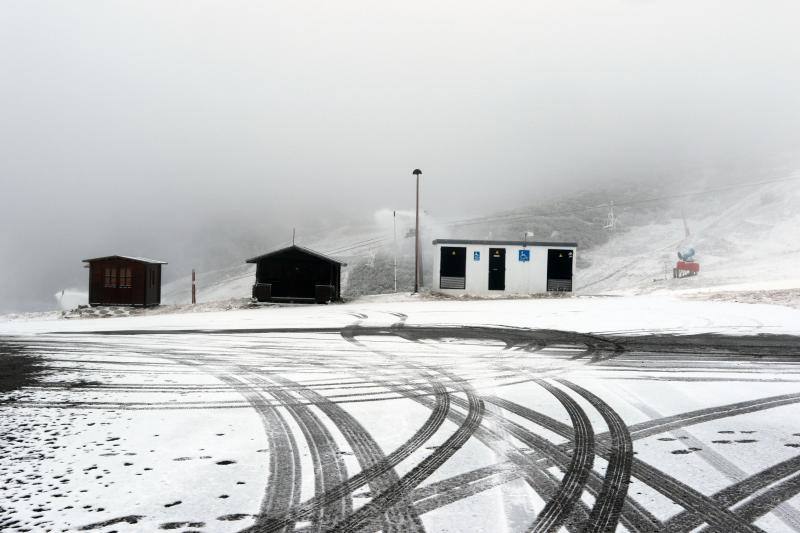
(453, 267)
(497, 269)
(559, 270)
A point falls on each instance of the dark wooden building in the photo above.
(297, 274)
(122, 280)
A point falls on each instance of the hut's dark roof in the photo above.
(507, 243)
(128, 257)
(299, 249)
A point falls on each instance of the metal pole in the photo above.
(417, 274)
(416, 244)
(194, 290)
(394, 222)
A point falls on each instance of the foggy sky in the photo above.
(152, 128)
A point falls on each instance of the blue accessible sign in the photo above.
(476, 256)
(524, 255)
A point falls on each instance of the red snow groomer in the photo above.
(686, 266)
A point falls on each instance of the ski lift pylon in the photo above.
(611, 219)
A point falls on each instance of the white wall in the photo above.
(521, 277)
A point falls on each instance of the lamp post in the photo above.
(394, 227)
(417, 172)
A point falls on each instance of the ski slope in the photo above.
(745, 240)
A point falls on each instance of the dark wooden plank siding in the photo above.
(120, 289)
(295, 273)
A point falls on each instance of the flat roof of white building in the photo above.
(506, 243)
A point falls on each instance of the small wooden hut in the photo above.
(124, 280)
(297, 274)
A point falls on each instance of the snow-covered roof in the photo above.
(507, 243)
(129, 257)
(299, 248)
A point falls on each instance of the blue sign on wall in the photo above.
(524, 255)
(476, 256)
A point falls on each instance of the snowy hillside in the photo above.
(213, 286)
(747, 237)
(368, 250)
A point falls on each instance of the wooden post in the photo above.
(194, 289)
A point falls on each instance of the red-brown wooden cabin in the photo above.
(122, 280)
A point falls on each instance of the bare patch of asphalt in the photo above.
(18, 368)
(451, 396)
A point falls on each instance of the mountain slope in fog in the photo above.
(742, 235)
(748, 237)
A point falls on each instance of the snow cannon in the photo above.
(686, 266)
(686, 254)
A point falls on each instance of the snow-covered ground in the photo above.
(429, 414)
(586, 314)
(640, 403)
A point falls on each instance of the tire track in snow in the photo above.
(525, 466)
(634, 517)
(282, 489)
(690, 499)
(741, 491)
(329, 467)
(718, 461)
(718, 516)
(606, 511)
(377, 470)
(765, 502)
(439, 411)
(452, 489)
(713, 513)
(539, 480)
(535, 475)
(662, 425)
(420, 472)
(559, 508)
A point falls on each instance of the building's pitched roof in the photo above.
(130, 258)
(507, 243)
(298, 248)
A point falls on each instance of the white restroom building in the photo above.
(491, 268)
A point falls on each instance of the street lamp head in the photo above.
(417, 172)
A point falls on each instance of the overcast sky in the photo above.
(136, 127)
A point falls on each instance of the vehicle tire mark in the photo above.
(730, 496)
(765, 502)
(559, 508)
(329, 467)
(634, 516)
(654, 427)
(377, 470)
(421, 471)
(606, 511)
(282, 489)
